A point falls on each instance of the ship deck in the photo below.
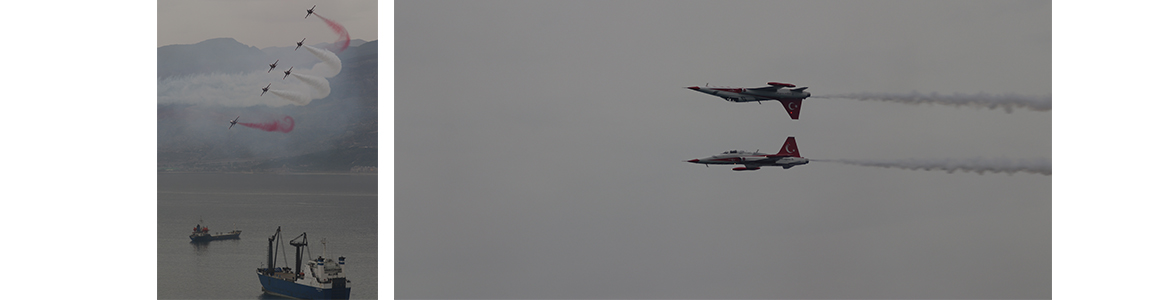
(284, 275)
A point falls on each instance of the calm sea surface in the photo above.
(342, 209)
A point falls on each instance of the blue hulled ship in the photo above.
(325, 280)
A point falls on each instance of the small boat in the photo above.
(326, 278)
(201, 234)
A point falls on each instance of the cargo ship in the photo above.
(201, 234)
(325, 280)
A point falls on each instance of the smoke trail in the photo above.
(296, 97)
(319, 84)
(236, 90)
(1008, 102)
(977, 165)
(332, 64)
(284, 125)
(343, 35)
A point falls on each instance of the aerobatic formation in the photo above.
(319, 86)
(791, 98)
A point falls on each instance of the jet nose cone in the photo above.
(693, 160)
(693, 88)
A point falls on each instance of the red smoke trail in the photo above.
(343, 39)
(275, 125)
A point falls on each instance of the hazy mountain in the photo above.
(300, 58)
(221, 55)
(226, 55)
(333, 134)
(275, 50)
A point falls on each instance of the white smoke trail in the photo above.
(320, 85)
(219, 89)
(1007, 102)
(330, 65)
(977, 165)
(297, 98)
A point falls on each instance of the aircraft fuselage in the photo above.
(787, 157)
(747, 95)
(751, 161)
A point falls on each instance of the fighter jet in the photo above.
(233, 122)
(287, 72)
(265, 90)
(788, 157)
(310, 12)
(272, 66)
(299, 43)
(791, 98)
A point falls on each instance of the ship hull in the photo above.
(280, 287)
(205, 238)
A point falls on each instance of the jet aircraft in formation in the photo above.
(300, 43)
(287, 72)
(310, 13)
(788, 157)
(790, 98)
(233, 122)
(265, 90)
(272, 66)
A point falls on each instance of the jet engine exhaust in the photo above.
(284, 125)
(977, 165)
(1007, 102)
(343, 35)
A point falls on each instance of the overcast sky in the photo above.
(541, 146)
(263, 23)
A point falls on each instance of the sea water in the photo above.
(340, 209)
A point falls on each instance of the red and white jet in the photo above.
(791, 98)
(788, 157)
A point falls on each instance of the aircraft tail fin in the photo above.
(793, 107)
(789, 148)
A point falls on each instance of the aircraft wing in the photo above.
(773, 86)
(756, 162)
(765, 89)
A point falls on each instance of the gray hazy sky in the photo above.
(540, 149)
(263, 23)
